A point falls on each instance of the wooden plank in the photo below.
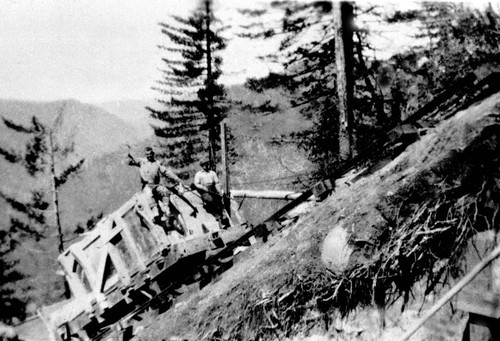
(87, 268)
(130, 244)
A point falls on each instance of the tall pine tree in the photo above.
(46, 159)
(33, 215)
(192, 100)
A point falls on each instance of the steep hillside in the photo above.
(266, 157)
(93, 131)
(267, 115)
(437, 193)
(104, 183)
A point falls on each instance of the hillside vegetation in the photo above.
(282, 291)
(265, 156)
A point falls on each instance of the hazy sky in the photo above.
(96, 50)
(99, 50)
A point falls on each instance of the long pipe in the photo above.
(280, 195)
(453, 291)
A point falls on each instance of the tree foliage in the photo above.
(454, 40)
(192, 100)
(307, 53)
(10, 305)
(42, 157)
(33, 215)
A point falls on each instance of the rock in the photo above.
(336, 251)
(352, 240)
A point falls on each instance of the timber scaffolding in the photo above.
(463, 93)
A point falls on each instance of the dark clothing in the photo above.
(207, 184)
(212, 203)
(158, 192)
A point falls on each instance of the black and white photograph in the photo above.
(267, 170)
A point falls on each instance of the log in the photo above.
(278, 195)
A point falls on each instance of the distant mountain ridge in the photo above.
(133, 112)
(104, 183)
(93, 130)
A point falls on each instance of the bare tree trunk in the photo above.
(343, 13)
(210, 118)
(55, 193)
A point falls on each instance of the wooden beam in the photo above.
(277, 195)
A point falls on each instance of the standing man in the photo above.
(207, 184)
(151, 171)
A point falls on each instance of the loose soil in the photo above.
(363, 264)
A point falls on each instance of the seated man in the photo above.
(151, 171)
(207, 184)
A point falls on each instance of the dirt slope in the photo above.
(390, 233)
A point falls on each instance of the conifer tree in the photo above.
(47, 160)
(10, 305)
(307, 53)
(192, 100)
(454, 40)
